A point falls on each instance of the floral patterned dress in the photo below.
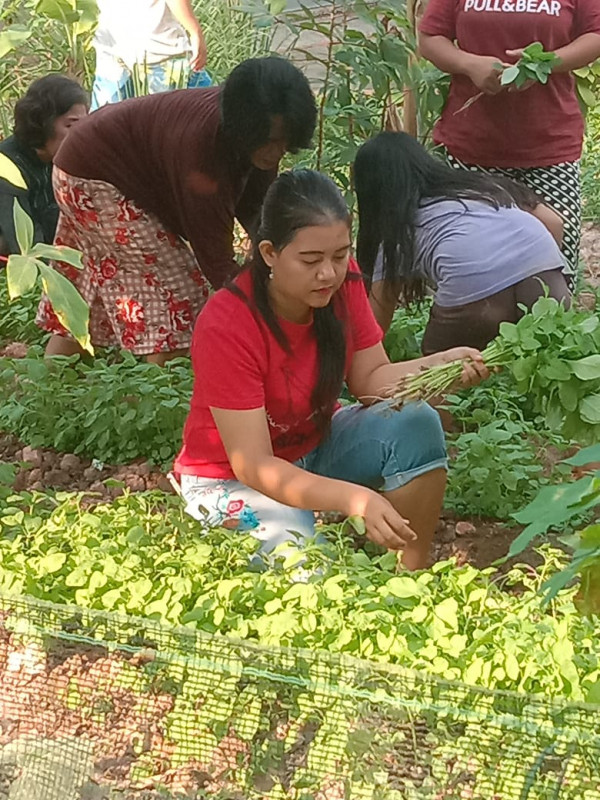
(141, 282)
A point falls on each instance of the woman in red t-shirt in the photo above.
(534, 135)
(266, 442)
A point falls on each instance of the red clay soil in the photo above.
(42, 469)
(474, 541)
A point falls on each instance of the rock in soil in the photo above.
(57, 479)
(135, 483)
(15, 350)
(91, 474)
(99, 487)
(164, 484)
(447, 534)
(34, 476)
(465, 528)
(32, 456)
(71, 463)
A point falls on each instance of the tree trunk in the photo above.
(414, 11)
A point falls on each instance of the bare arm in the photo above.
(245, 436)
(372, 376)
(551, 219)
(250, 203)
(184, 14)
(383, 304)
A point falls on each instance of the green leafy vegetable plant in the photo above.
(17, 317)
(535, 64)
(23, 272)
(143, 555)
(114, 412)
(403, 339)
(501, 450)
(496, 469)
(552, 356)
(558, 508)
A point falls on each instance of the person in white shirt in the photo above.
(145, 47)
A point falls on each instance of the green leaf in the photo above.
(403, 587)
(511, 665)
(9, 170)
(52, 562)
(509, 75)
(57, 253)
(523, 368)
(447, 611)
(589, 324)
(7, 473)
(551, 508)
(277, 6)
(60, 10)
(589, 409)
(534, 49)
(587, 369)
(358, 523)
(21, 275)
(586, 456)
(23, 228)
(69, 306)
(11, 38)
(593, 693)
(557, 370)
(568, 395)
(88, 16)
(590, 536)
(587, 95)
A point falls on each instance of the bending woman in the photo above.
(149, 190)
(265, 442)
(467, 235)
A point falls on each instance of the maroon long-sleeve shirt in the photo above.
(167, 153)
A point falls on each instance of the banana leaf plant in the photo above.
(31, 267)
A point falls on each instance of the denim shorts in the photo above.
(114, 81)
(375, 446)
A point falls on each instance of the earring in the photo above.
(271, 275)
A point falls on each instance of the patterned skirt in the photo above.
(141, 282)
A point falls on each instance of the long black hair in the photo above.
(46, 100)
(300, 199)
(393, 176)
(259, 89)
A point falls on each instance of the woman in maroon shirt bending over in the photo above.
(149, 190)
(266, 442)
(534, 135)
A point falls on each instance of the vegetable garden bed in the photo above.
(99, 706)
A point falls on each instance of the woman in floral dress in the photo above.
(148, 191)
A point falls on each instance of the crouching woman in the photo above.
(266, 442)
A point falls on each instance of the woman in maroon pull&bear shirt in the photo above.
(534, 135)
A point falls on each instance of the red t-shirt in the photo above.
(238, 364)
(538, 127)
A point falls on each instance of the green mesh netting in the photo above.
(96, 706)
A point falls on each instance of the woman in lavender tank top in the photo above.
(485, 245)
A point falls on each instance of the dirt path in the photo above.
(590, 252)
